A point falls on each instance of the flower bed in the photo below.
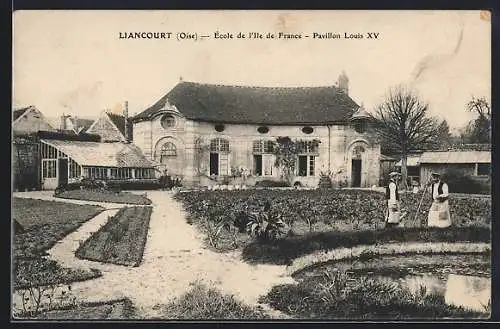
(105, 196)
(121, 240)
(339, 210)
(327, 219)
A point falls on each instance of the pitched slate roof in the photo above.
(17, 113)
(119, 121)
(456, 157)
(82, 123)
(102, 154)
(257, 105)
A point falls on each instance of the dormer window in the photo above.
(168, 121)
(360, 126)
(360, 120)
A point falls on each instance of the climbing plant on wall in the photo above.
(286, 151)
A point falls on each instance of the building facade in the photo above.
(205, 133)
(25, 156)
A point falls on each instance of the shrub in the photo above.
(203, 302)
(272, 183)
(460, 182)
(266, 224)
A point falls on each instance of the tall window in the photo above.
(48, 152)
(49, 168)
(74, 169)
(308, 151)
(168, 150)
(143, 173)
(97, 172)
(263, 157)
(219, 156)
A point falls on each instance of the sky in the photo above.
(74, 61)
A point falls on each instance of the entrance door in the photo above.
(302, 165)
(257, 161)
(63, 172)
(356, 173)
(214, 164)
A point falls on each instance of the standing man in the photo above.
(393, 202)
(439, 214)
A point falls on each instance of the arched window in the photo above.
(167, 150)
(219, 145)
(168, 121)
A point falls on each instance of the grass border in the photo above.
(389, 249)
(147, 200)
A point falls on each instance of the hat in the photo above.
(394, 173)
(435, 174)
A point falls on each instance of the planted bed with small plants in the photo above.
(275, 226)
(121, 240)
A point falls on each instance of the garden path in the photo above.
(174, 258)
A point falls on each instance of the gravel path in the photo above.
(174, 258)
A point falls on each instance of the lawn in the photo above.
(121, 240)
(326, 219)
(105, 196)
(43, 224)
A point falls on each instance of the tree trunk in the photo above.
(404, 171)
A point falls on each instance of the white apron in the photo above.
(393, 215)
(439, 214)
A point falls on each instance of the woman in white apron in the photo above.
(393, 214)
(439, 213)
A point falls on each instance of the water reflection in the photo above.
(471, 292)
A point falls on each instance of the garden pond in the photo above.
(464, 280)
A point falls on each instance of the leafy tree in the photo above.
(479, 129)
(443, 138)
(403, 125)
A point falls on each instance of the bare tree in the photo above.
(403, 125)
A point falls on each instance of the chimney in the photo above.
(75, 124)
(62, 124)
(343, 83)
(125, 118)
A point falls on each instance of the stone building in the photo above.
(29, 120)
(25, 158)
(204, 133)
